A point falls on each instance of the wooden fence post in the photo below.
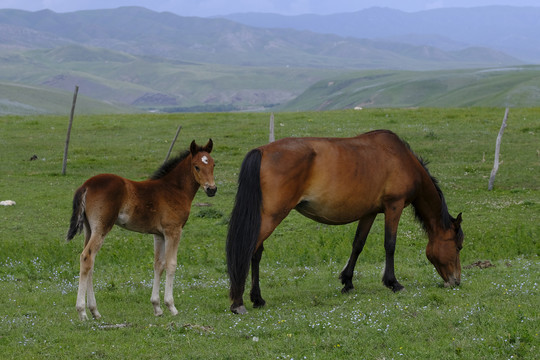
(172, 144)
(64, 164)
(271, 137)
(496, 162)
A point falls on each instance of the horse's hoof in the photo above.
(158, 311)
(173, 311)
(397, 287)
(241, 310)
(259, 303)
(347, 289)
(83, 316)
(96, 314)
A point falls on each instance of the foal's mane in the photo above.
(446, 219)
(169, 165)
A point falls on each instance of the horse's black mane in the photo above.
(169, 165)
(445, 215)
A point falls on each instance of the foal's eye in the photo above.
(197, 168)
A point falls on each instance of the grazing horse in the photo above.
(159, 206)
(337, 181)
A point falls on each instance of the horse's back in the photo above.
(336, 180)
(107, 186)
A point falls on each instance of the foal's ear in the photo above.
(193, 148)
(209, 145)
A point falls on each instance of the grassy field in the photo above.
(492, 315)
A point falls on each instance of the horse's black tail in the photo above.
(76, 224)
(245, 223)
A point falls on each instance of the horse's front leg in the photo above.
(159, 266)
(392, 214)
(362, 231)
(255, 294)
(171, 252)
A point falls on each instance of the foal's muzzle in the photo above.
(210, 190)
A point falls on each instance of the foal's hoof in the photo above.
(83, 316)
(158, 311)
(241, 310)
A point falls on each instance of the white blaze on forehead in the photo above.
(204, 159)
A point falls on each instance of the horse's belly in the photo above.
(126, 221)
(331, 213)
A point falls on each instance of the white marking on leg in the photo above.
(91, 297)
(159, 265)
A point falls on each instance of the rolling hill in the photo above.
(139, 60)
(501, 87)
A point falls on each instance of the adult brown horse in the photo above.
(337, 181)
(158, 206)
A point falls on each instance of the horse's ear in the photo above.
(458, 220)
(193, 148)
(209, 145)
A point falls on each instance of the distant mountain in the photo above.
(513, 30)
(137, 59)
(139, 31)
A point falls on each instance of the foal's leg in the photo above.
(171, 252)
(362, 231)
(392, 214)
(159, 266)
(90, 295)
(87, 260)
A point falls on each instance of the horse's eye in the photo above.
(197, 168)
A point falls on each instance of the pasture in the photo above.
(492, 315)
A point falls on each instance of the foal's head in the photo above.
(443, 252)
(202, 166)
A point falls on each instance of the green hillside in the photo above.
(134, 59)
(27, 100)
(148, 83)
(501, 87)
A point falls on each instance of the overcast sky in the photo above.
(223, 7)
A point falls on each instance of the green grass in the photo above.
(492, 315)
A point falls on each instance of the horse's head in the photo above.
(443, 252)
(202, 166)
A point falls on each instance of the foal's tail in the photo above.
(245, 222)
(76, 224)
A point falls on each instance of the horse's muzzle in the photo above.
(453, 281)
(210, 190)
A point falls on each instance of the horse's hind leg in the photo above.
(391, 220)
(268, 225)
(159, 266)
(362, 231)
(255, 293)
(93, 242)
